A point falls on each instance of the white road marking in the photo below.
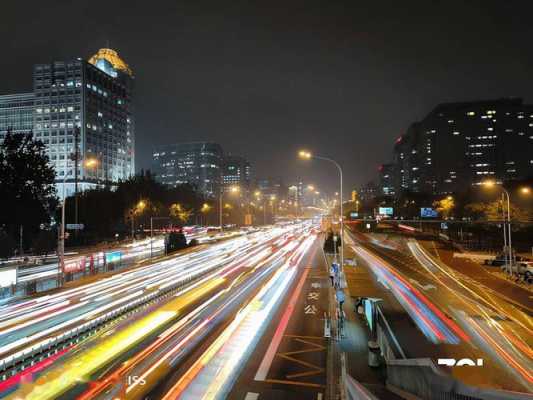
(312, 295)
(310, 309)
(251, 396)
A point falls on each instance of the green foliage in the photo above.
(45, 242)
(26, 185)
(493, 211)
(105, 212)
(445, 206)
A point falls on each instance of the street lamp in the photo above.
(306, 155)
(89, 163)
(139, 207)
(232, 189)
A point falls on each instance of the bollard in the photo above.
(373, 354)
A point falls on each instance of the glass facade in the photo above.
(237, 172)
(462, 144)
(197, 163)
(77, 102)
(16, 113)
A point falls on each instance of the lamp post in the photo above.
(233, 189)
(138, 207)
(508, 244)
(308, 156)
(90, 163)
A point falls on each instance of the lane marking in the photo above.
(262, 371)
(319, 396)
(295, 383)
(251, 396)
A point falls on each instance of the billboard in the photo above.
(354, 215)
(386, 211)
(428, 212)
(75, 265)
(8, 277)
(113, 256)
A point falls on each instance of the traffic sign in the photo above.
(76, 227)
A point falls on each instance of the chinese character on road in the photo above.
(312, 296)
(310, 309)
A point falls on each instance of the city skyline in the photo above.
(342, 67)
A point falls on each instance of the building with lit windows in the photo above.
(236, 171)
(386, 180)
(88, 105)
(16, 113)
(459, 145)
(196, 163)
(368, 191)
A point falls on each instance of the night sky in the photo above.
(342, 79)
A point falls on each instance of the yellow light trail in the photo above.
(78, 369)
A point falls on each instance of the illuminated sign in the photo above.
(113, 256)
(386, 211)
(75, 265)
(8, 277)
(428, 212)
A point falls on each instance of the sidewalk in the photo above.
(354, 342)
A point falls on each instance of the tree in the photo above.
(26, 185)
(445, 206)
(494, 211)
(180, 212)
(45, 242)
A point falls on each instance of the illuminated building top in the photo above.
(109, 61)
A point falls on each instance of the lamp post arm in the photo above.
(340, 200)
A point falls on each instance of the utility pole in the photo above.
(21, 246)
(76, 166)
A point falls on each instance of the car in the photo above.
(497, 261)
(525, 268)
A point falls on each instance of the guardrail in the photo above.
(22, 359)
(421, 378)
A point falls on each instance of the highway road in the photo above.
(133, 354)
(244, 319)
(458, 317)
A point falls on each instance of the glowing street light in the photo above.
(306, 155)
(232, 189)
(525, 190)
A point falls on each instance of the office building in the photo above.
(272, 187)
(368, 191)
(237, 171)
(196, 163)
(459, 145)
(86, 105)
(386, 180)
(16, 113)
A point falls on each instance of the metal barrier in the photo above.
(421, 378)
(22, 359)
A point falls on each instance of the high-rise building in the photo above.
(86, 105)
(386, 180)
(197, 163)
(16, 113)
(474, 141)
(458, 145)
(368, 191)
(237, 171)
(272, 187)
